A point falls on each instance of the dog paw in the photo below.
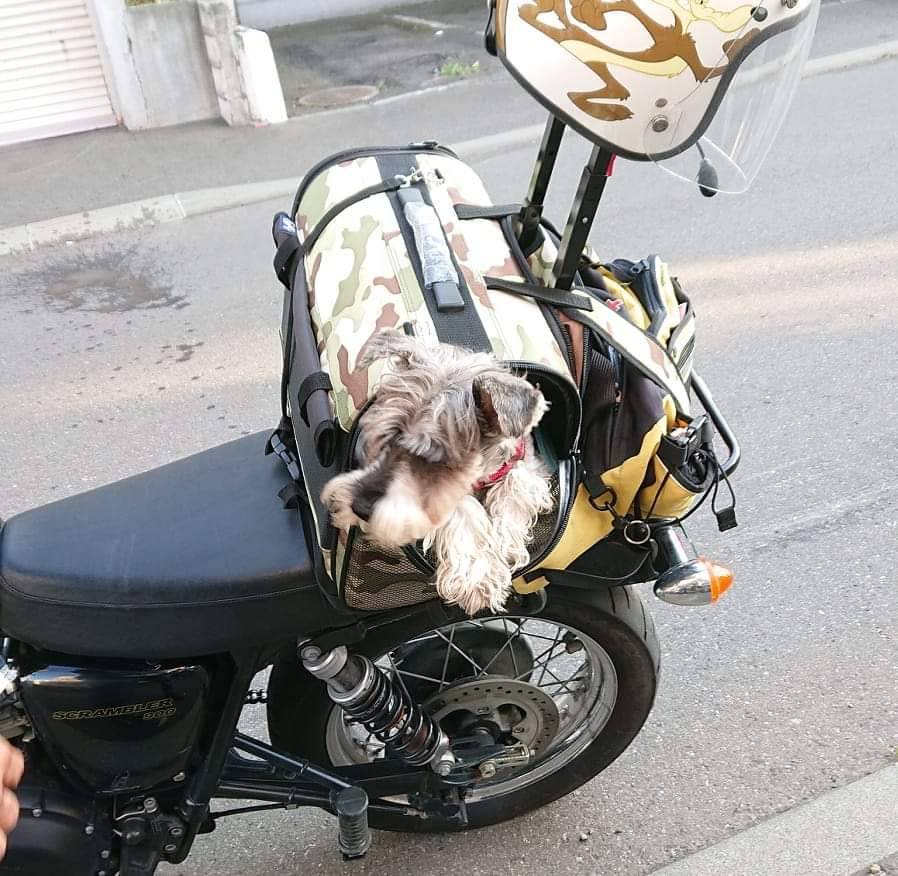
(483, 584)
(337, 498)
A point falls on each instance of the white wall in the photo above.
(274, 13)
(157, 66)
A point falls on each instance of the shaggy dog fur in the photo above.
(442, 421)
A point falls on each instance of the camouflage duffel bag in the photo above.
(611, 356)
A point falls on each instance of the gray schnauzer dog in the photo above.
(447, 457)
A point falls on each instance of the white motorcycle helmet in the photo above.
(688, 84)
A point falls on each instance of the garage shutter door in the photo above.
(51, 79)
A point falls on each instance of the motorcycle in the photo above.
(135, 618)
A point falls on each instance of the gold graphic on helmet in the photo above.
(673, 48)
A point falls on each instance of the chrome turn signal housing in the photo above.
(695, 582)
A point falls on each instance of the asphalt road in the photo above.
(63, 175)
(123, 353)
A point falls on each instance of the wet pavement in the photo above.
(405, 48)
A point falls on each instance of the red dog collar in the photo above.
(519, 453)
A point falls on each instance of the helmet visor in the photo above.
(722, 146)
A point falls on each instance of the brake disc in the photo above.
(516, 707)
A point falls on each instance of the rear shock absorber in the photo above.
(381, 705)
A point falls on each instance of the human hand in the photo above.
(12, 766)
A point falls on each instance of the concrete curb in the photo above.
(839, 833)
(851, 59)
(147, 213)
(151, 212)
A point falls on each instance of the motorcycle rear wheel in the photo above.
(607, 640)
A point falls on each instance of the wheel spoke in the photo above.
(398, 674)
(495, 657)
(546, 664)
(531, 635)
(425, 638)
(580, 678)
(455, 647)
(446, 661)
(515, 635)
(419, 677)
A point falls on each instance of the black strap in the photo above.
(544, 294)
(387, 185)
(293, 495)
(317, 381)
(596, 488)
(281, 443)
(461, 327)
(326, 442)
(492, 211)
(288, 349)
(285, 260)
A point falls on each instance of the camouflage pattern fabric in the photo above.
(361, 278)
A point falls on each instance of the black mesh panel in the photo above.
(379, 580)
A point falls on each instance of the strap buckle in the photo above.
(415, 176)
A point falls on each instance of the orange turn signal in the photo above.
(719, 577)
(699, 581)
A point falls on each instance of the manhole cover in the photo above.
(340, 96)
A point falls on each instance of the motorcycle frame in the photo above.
(277, 780)
(274, 778)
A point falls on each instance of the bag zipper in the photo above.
(584, 377)
(365, 152)
(570, 487)
(619, 382)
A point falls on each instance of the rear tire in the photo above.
(616, 619)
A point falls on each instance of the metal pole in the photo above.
(529, 236)
(583, 214)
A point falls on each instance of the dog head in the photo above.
(441, 419)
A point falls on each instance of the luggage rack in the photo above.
(583, 212)
(574, 239)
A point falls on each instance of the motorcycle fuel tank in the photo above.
(118, 728)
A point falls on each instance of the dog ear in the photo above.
(510, 405)
(384, 344)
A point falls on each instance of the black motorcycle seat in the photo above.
(197, 557)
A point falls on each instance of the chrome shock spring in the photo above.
(382, 706)
(387, 712)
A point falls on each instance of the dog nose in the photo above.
(364, 501)
(362, 506)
